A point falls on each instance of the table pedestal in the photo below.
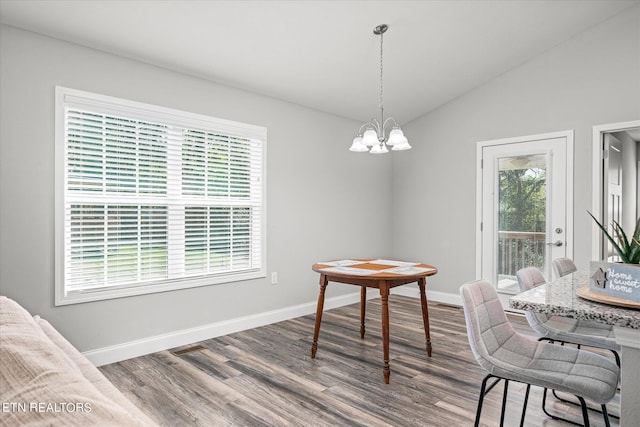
(629, 340)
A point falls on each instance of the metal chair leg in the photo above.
(504, 401)
(481, 400)
(606, 416)
(585, 412)
(555, 417)
(569, 402)
(484, 390)
(524, 405)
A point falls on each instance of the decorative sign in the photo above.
(617, 279)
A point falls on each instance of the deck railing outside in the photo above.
(517, 249)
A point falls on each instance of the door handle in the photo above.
(556, 243)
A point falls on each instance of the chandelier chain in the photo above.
(381, 82)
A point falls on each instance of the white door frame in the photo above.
(596, 179)
(568, 135)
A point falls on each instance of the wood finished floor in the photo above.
(266, 377)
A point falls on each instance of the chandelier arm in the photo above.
(373, 123)
(390, 119)
(377, 126)
(362, 127)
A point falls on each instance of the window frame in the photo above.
(72, 98)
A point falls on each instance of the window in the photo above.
(150, 199)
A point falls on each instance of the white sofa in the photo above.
(44, 380)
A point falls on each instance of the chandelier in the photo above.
(374, 135)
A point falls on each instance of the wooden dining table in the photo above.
(382, 274)
(562, 297)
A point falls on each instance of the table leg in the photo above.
(316, 332)
(384, 297)
(363, 305)
(425, 313)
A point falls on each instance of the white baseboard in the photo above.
(117, 353)
(127, 350)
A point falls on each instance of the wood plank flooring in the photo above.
(266, 377)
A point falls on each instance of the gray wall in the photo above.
(592, 79)
(319, 201)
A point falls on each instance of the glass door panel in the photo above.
(522, 217)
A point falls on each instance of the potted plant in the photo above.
(627, 249)
(620, 279)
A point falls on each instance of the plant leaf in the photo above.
(621, 236)
(636, 232)
(611, 239)
(634, 255)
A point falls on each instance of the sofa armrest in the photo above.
(40, 384)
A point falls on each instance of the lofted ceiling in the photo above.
(323, 54)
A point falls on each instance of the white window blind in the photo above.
(151, 199)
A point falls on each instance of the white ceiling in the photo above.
(323, 54)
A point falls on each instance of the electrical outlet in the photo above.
(274, 278)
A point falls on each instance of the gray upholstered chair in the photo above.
(565, 329)
(564, 266)
(509, 356)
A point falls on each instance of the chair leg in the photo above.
(544, 403)
(555, 417)
(605, 414)
(524, 405)
(585, 412)
(504, 401)
(483, 391)
(569, 402)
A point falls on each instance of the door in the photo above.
(628, 165)
(525, 202)
(612, 203)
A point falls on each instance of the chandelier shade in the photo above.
(396, 136)
(374, 139)
(357, 145)
(379, 149)
(370, 138)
